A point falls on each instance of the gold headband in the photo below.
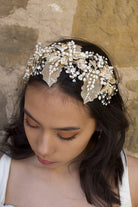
(93, 69)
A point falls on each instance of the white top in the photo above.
(5, 163)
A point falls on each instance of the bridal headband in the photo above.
(93, 69)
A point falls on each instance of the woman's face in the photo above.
(57, 127)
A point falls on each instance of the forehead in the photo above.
(53, 106)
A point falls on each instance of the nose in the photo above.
(46, 145)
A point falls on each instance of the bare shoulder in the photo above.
(132, 165)
(133, 178)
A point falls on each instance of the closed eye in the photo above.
(67, 138)
(30, 125)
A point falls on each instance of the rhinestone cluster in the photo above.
(93, 69)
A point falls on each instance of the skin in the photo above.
(133, 179)
(48, 115)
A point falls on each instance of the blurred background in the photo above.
(113, 25)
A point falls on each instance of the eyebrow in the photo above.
(60, 129)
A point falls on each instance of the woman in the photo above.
(66, 143)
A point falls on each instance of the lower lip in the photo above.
(45, 162)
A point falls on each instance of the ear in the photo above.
(99, 132)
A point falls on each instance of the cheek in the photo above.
(75, 147)
(81, 142)
(31, 135)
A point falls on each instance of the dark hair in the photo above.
(101, 163)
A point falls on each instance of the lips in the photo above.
(45, 162)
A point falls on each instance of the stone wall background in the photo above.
(110, 24)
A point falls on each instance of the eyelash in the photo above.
(67, 138)
(63, 138)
